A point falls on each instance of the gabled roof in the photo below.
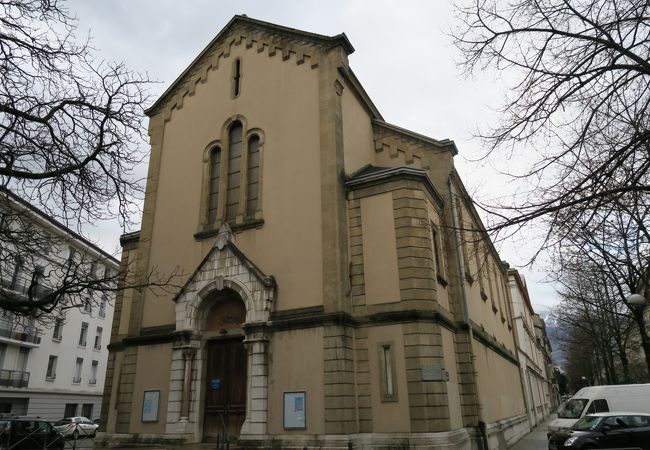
(323, 40)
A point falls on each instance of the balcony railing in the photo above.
(10, 330)
(21, 285)
(14, 378)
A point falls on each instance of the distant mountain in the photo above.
(555, 334)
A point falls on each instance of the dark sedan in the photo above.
(608, 430)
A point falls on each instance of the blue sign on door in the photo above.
(215, 383)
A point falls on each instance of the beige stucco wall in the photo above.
(453, 393)
(152, 373)
(442, 292)
(499, 384)
(484, 267)
(379, 249)
(388, 417)
(296, 364)
(280, 98)
(127, 295)
(112, 410)
(358, 145)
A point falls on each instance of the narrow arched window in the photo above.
(252, 191)
(213, 196)
(234, 170)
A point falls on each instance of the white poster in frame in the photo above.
(150, 402)
(295, 411)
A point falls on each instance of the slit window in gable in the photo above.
(236, 78)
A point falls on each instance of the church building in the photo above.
(338, 290)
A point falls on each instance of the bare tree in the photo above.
(602, 260)
(70, 131)
(579, 106)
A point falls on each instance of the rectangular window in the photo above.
(51, 368)
(93, 373)
(88, 307)
(58, 330)
(77, 370)
(83, 336)
(21, 362)
(3, 351)
(71, 254)
(87, 411)
(70, 410)
(102, 306)
(98, 339)
(387, 373)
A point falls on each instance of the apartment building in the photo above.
(54, 367)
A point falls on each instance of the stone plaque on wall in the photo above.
(432, 372)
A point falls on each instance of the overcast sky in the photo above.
(403, 57)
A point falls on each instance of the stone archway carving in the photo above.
(225, 267)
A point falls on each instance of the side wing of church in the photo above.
(338, 289)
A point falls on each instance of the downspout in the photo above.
(461, 269)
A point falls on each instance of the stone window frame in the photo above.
(438, 254)
(242, 219)
(387, 372)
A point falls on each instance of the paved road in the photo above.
(536, 439)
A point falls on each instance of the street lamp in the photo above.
(637, 300)
(638, 303)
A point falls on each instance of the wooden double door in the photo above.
(225, 391)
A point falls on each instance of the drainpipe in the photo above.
(461, 269)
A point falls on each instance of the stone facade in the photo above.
(358, 285)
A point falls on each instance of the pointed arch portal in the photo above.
(224, 385)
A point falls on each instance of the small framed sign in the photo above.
(150, 402)
(295, 411)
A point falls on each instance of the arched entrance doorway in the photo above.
(226, 367)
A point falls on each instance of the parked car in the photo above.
(609, 430)
(596, 399)
(76, 427)
(29, 433)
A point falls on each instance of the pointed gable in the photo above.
(294, 45)
(225, 266)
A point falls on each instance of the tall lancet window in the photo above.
(252, 191)
(213, 195)
(234, 170)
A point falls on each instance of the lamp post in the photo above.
(637, 303)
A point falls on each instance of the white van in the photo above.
(593, 399)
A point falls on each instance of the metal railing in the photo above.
(9, 330)
(14, 378)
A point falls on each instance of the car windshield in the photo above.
(587, 423)
(573, 408)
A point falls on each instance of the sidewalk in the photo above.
(536, 439)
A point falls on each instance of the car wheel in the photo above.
(75, 434)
